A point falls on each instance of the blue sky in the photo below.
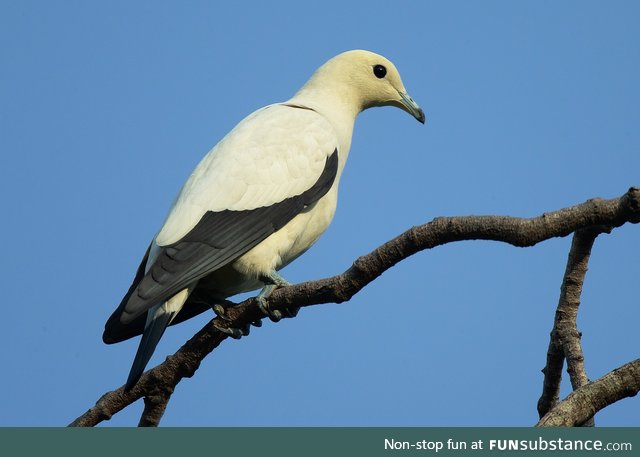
(106, 107)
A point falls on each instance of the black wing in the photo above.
(218, 239)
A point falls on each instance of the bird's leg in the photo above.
(273, 278)
(276, 315)
(272, 281)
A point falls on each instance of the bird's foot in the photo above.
(273, 280)
(220, 309)
(235, 333)
(291, 312)
(263, 303)
(276, 315)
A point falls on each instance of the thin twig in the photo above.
(516, 231)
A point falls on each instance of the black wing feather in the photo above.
(217, 239)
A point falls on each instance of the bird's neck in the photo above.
(336, 107)
(333, 101)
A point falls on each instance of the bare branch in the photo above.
(516, 231)
(155, 404)
(586, 401)
(565, 337)
(182, 364)
(552, 377)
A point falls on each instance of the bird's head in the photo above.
(362, 79)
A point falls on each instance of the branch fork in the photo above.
(586, 221)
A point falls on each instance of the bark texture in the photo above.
(585, 402)
(565, 337)
(157, 384)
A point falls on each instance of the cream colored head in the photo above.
(359, 80)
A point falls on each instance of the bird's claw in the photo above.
(263, 304)
(235, 333)
(272, 281)
(276, 315)
(291, 312)
(220, 311)
(220, 308)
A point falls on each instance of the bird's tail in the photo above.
(158, 319)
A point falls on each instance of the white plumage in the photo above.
(274, 153)
(259, 199)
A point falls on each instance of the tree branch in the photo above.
(520, 232)
(155, 403)
(565, 337)
(586, 401)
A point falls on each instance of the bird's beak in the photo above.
(411, 107)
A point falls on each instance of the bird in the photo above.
(259, 199)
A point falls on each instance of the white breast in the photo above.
(292, 240)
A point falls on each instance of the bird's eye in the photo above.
(380, 71)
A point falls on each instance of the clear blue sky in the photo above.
(107, 106)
